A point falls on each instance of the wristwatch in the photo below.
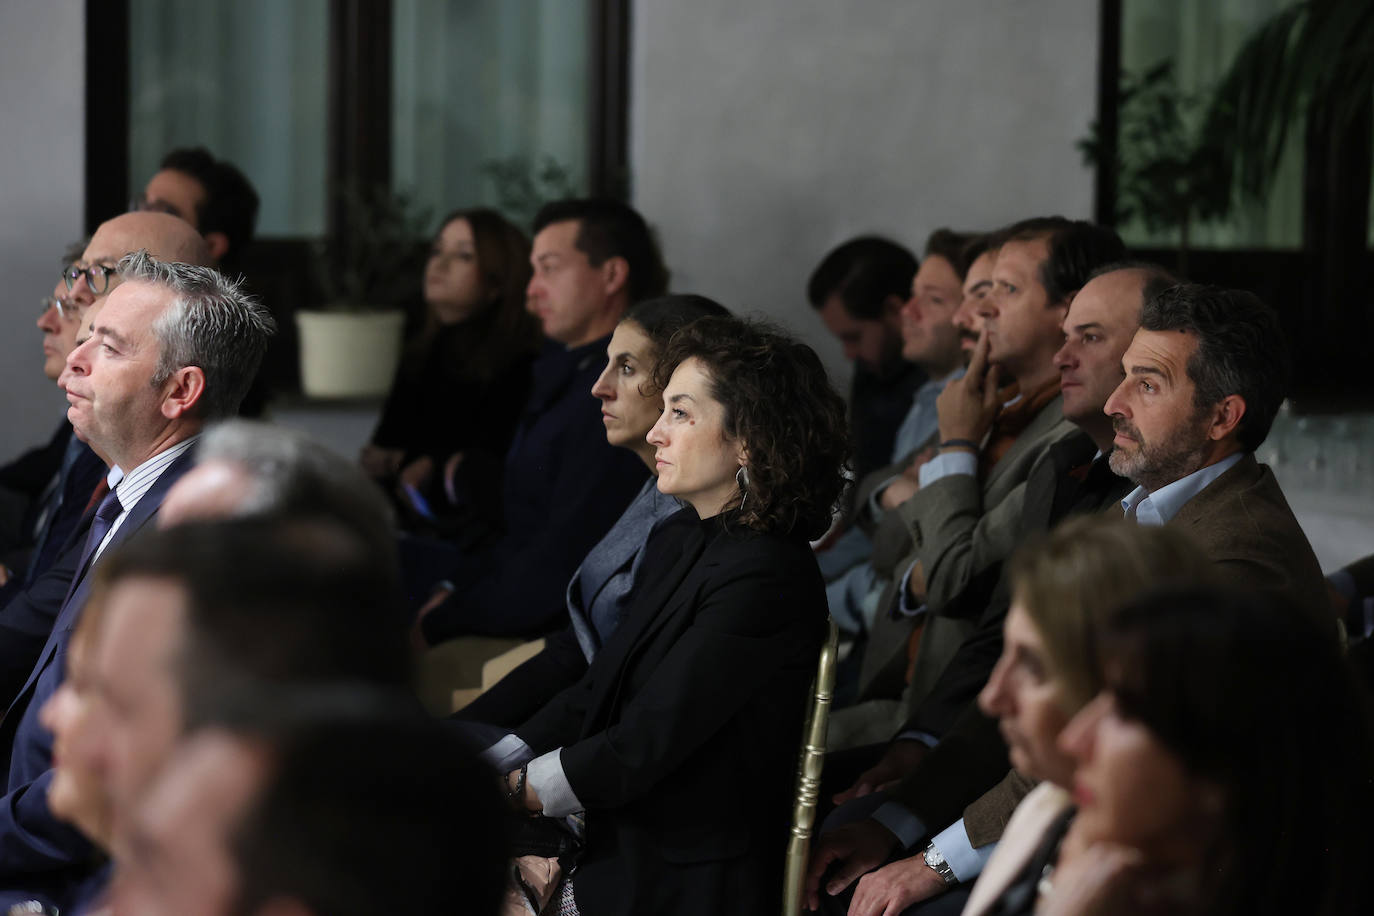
(936, 861)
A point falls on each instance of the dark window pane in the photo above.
(245, 78)
(1202, 37)
(485, 82)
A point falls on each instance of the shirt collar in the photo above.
(141, 479)
(931, 388)
(1159, 507)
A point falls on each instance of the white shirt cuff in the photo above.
(549, 782)
(965, 861)
(925, 738)
(947, 463)
(507, 754)
(904, 825)
(904, 606)
(875, 506)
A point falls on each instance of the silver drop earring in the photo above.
(742, 481)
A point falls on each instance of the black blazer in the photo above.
(522, 693)
(681, 739)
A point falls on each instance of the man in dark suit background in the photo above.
(563, 485)
(211, 194)
(173, 346)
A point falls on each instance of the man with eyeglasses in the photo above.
(48, 475)
(66, 469)
(35, 479)
(59, 320)
(172, 347)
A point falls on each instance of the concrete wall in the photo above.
(764, 132)
(42, 190)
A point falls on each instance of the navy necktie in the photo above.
(105, 515)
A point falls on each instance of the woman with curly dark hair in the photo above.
(678, 747)
(777, 406)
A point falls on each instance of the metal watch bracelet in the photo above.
(937, 861)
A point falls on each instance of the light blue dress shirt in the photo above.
(1159, 507)
(1156, 508)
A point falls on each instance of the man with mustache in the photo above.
(1070, 477)
(981, 254)
(930, 342)
(1205, 375)
(990, 434)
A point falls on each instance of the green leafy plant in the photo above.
(523, 185)
(1314, 53)
(376, 260)
(1166, 167)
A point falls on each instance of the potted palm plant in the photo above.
(349, 348)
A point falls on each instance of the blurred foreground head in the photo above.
(197, 615)
(248, 468)
(333, 803)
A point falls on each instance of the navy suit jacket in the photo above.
(29, 474)
(82, 478)
(78, 484)
(41, 857)
(564, 487)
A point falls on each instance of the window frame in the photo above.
(358, 98)
(1321, 290)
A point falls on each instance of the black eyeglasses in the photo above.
(97, 276)
(67, 311)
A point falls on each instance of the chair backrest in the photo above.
(809, 766)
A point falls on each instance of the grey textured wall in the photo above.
(763, 132)
(42, 99)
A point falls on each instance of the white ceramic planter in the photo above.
(349, 355)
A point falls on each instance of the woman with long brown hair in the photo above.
(464, 378)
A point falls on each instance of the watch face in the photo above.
(937, 862)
